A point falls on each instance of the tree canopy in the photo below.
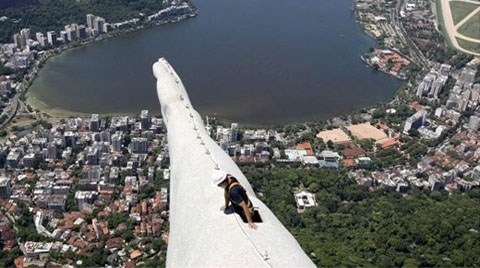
(53, 15)
(352, 226)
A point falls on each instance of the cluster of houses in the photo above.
(79, 176)
(452, 165)
(419, 21)
(29, 49)
(387, 61)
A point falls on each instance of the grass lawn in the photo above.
(461, 9)
(474, 47)
(471, 28)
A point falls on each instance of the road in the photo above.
(415, 52)
(13, 111)
(19, 106)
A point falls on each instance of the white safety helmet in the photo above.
(218, 176)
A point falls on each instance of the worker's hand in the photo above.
(222, 208)
(252, 225)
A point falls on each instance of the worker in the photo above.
(236, 195)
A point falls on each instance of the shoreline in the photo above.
(55, 112)
(381, 70)
(31, 99)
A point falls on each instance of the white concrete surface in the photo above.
(200, 234)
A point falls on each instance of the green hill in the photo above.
(48, 15)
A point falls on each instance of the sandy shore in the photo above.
(41, 106)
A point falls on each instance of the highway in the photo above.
(13, 111)
(415, 53)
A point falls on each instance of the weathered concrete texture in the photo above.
(200, 234)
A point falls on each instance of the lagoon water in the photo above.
(249, 61)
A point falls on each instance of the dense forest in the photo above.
(353, 226)
(53, 15)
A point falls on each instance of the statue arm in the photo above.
(227, 202)
(248, 214)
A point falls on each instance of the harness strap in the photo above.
(230, 187)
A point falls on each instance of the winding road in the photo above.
(13, 111)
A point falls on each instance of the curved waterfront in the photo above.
(253, 62)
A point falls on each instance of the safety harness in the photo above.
(230, 187)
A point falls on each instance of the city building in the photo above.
(57, 202)
(25, 33)
(52, 151)
(439, 112)
(85, 199)
(329, 159)
(52, 38)
(5, 87)
(81, 31)
(19, 40)
(41, 39)
(94, 123)
(107, 27)
(98, 25)
(139, 146)
(13, 158)
(70, 138)
(467, 77)
(34, 250)
(476, 173)
(474, 123)
(92, 156)
(117, 142)
(424, 86)
(234, 132)
(22, 60)
(64, 36)
(71, 32)
(90, 20)
(5, 188)
(145, 119)
(29, 160)
(415, 121)
(445, 69)
(437, 87)
(114, 175)
(305, 200)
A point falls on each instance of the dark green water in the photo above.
(250, 61)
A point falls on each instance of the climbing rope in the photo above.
(263, 255)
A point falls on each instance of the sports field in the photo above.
(455, 14)
(366, 131)
(471, 28)
(335, 135)
(471, 46)
(461, 9)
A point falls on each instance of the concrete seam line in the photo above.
(264, 256)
